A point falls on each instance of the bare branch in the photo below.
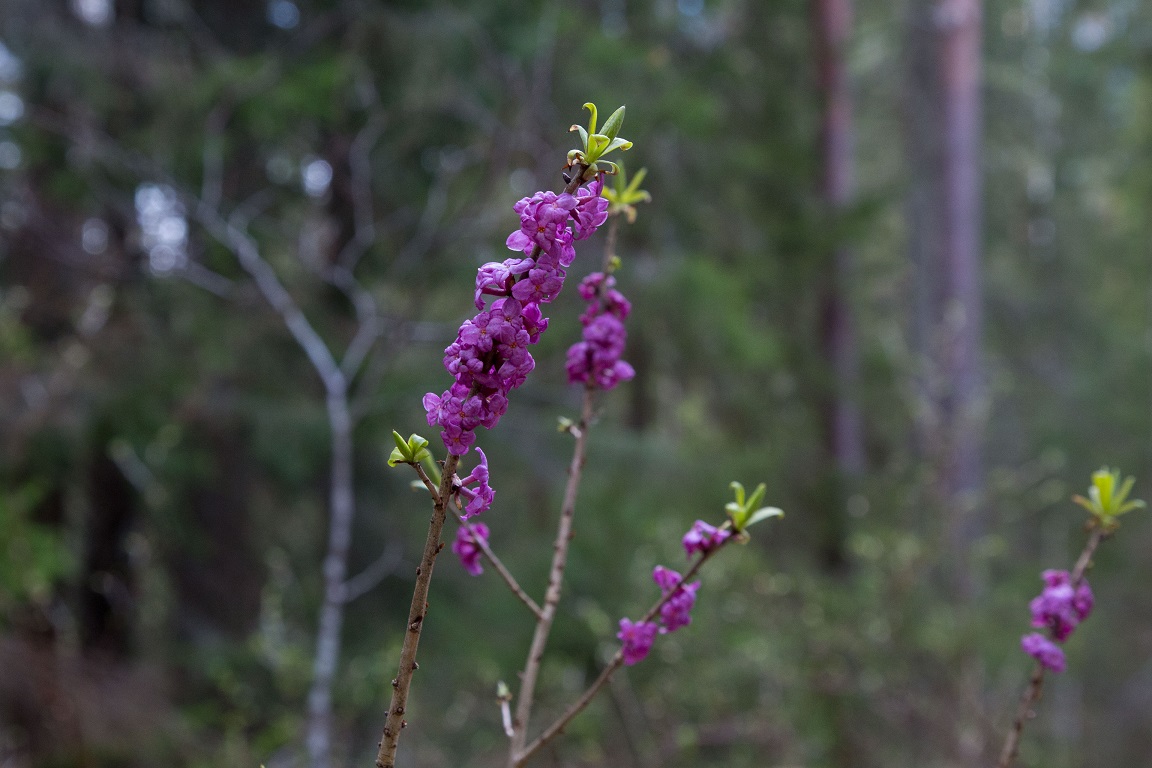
(505, 574)
(555, 580)
(202, 277)
(213, 157)
(251, 207)
(389, 741)
(363, 211)
(385, 565)
(518, 758)
(248, 254)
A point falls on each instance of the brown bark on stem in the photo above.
(520, 757)
(564, 536)
(1031, 694)
(386, 756)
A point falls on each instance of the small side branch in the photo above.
(578, 706)
(371, 576)
(505, 574)
(1032, 693)
(555, 582)
(1024, 713)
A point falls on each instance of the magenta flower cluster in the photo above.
(676, 611)
(1059, 608)
(479, 499)
(596, 359)
(704, 538)
(490, 357)
(467, 546)
(637, 637)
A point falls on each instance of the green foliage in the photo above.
(814, 665)
(595, 145)
(1106, 501)
(414, 450)
(744, 513)
(33, 558)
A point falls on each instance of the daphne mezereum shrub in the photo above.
(489, 359)
(1066, 599)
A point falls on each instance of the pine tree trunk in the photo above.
(843, 427)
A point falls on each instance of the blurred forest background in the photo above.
(896, 266)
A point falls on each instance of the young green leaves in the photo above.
(747, 512)
(597, 144)
(623, 196)
(1106, 501)
(411, 451)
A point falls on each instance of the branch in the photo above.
(360, 168)
(386, 756)
(505, 574)
(248, 254)
(555, 579)
(1031, 694)
(371, 576)
(557, 727)
(213, 157)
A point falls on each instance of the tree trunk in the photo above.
(944, 244)
(840, 410)
(342, 510)
(958, 25)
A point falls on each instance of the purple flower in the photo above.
(676, 612)
(540, 287)
(596, 359)
(591, 209)
(479, 498)
(490, 357)
(494, 279)
(1059, 607)
(637, 639)
(1043, 650)
(457, 440)
(665, 578)
(702, 537)
(467, 546)
(543, 223)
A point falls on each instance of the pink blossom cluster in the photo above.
(704, 538)
(490, 357)
(676, 611)
(596, 359)
(467, 546)
(637, 637)
(1059, 608)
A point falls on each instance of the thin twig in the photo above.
(555, 581)
(360, 584)
(213, 156)
(431, 486)
(505, 574)
(564, 536)
(1032, 693)
(389, 741)
(360, 190)
(557, 727)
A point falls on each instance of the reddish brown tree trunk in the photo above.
(944, 238)
(958, 27)
(844, 435)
